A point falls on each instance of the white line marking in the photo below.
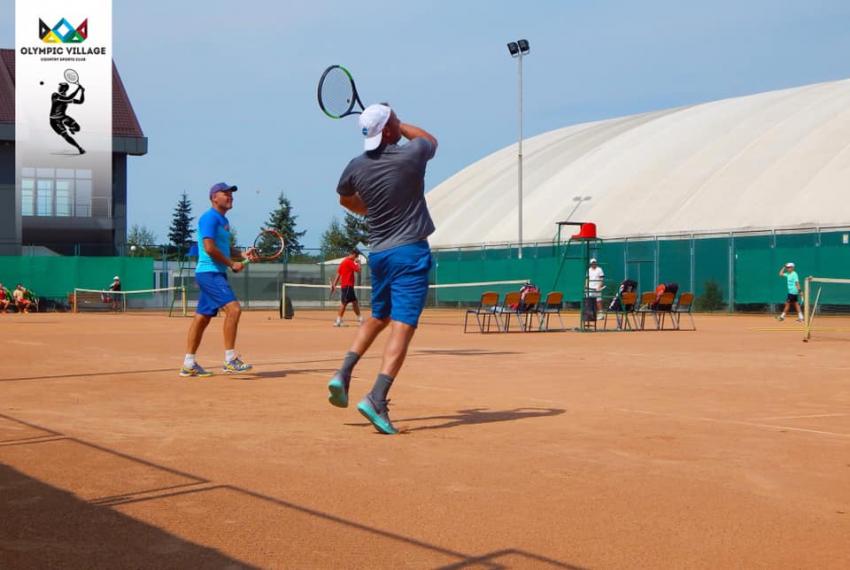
(736, 422)
(802, 417)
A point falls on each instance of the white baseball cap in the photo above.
(372, 122)
(593, 260)
(116, 278)
(790, 264)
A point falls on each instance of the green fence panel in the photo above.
(757, 271)
(55, 277)
(674, 262)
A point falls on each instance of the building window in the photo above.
(27, 196)
(44, 198)
(64, 188)
(64, 192)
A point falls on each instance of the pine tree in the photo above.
(282, 220)
(180, 233)
(356, 230)
(335, 242)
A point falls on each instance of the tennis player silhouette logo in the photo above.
(60, 122)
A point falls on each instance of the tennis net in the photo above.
(442, 295)
(825, 297)
(166, 299)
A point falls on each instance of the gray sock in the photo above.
(382, 386)
(347, 367)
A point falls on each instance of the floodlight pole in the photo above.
(519, 154)
(517, 49)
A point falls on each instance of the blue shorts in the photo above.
(215, 292)
(400, 282)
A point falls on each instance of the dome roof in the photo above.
(775, 160)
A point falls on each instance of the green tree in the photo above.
(356, 229)
(335, 242)
(180, 233)
(140, 236)
(283, 220)
(711, 298)
(141, 241)
(234, 237)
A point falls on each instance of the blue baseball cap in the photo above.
(221, 187)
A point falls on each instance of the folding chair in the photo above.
(683, 307)
(528, 309)
(663, 308)
(484, 312)
(623, 312)
(647, 299)
(509, 306)
(551, 306)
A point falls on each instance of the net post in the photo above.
(74, 302)
(183, 301)
(806, 308)
(282, 299)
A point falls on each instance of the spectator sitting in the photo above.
(5, 298)
(23, 301)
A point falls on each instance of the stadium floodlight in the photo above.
(518, 49)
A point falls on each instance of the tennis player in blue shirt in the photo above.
(211, 277)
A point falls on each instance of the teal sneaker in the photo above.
(338, 392)
(194, 371)
(378, 414)
(236, 366)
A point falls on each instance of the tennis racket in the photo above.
(72, 77)
(268, 246)
(337, 93)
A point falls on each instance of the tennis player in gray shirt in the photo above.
(387, 185)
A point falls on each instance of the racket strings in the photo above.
(268, 245)
(337, 92)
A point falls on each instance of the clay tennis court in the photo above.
(725, 447)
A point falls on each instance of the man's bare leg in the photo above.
(396, 350)
(232, 312)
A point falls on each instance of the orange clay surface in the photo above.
(725, 447)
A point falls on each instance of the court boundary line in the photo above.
(735, 422)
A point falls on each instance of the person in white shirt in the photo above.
(595, 284)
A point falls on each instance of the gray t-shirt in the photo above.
(391, 182)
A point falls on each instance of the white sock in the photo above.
(782, 315)
(189, 360)
(229, 355)
(800, 316)
(338, 320)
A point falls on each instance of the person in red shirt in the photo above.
(5, 301)
(345, 280)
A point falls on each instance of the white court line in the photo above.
(736, 422)
(802, 417)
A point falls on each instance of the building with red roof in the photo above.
(98, 228)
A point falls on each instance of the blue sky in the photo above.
(227, 90)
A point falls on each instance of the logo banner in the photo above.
(63, 108)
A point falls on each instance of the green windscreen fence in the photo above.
(743, 268)
(55, 277)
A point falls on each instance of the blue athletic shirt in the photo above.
(212, 225)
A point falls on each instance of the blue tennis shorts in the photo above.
(400, 282)
(215, 292)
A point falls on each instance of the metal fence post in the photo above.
(731, 272)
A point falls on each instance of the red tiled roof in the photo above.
(124, 121)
